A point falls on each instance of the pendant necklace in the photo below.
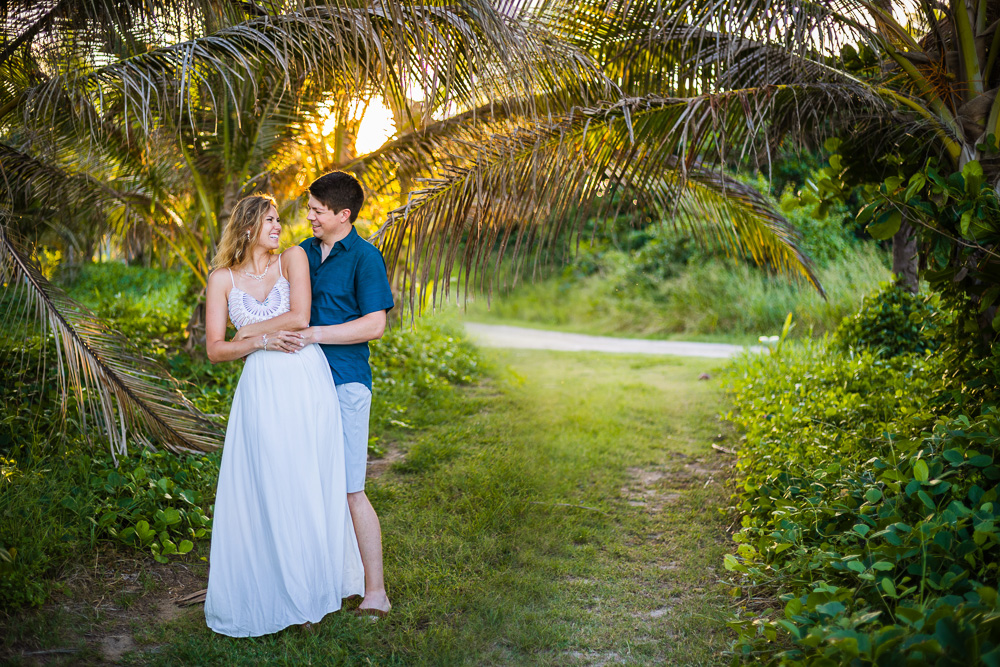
(258, 276)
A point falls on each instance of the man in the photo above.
(350, 300)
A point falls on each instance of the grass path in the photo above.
(564, 513)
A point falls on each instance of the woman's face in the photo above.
(270, 230)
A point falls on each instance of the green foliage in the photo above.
(43, 511)
(827, 229)
(957, 217)
(712, 296)
(156, 501)
(416, 364)
(894, 321)
(145, 304)
(869, 506)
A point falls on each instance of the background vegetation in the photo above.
(656, 281)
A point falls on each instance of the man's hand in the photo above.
(293, 341)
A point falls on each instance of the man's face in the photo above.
(327, 226)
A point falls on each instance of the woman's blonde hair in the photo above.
(241, 233)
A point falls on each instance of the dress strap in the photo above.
(231, 277)
(280, 275)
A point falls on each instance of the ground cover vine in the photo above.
(867, 490)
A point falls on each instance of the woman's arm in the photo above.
(216, 316)
(295, 266)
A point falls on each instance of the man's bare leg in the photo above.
(369, 532)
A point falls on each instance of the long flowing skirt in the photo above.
(283, 544)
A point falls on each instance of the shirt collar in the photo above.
(347, 242)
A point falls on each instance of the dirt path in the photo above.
(492, 335)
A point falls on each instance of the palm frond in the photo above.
(115, 386)
(526, 193)
(463, 54)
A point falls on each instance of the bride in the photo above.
(283, 549)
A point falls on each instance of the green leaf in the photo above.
(920, 470)
(972, 172)
(831, 608)
(910, 615)
(793, 607)
(862, 529)
(926, 499)
(873, 495)
(917, 181)
(856, 566)
(790, 627)
(185, 546)
(981, 461)
(886, 225)
(888, 587)
(954, 457)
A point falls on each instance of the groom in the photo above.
(350, 300)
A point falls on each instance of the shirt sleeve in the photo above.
(373, 288)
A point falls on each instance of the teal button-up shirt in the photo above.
(350, 283)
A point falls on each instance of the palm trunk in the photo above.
(905, 257)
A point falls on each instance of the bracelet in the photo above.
(265, 342)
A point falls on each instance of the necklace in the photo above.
(258, 276)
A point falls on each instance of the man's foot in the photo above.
(374, 604)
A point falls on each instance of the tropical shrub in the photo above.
(894, 321)
(867, 489)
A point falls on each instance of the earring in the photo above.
(248, 235)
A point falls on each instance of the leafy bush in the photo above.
(156, 501)
(894, 321)
(869, 507)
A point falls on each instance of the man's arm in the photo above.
(366, 328)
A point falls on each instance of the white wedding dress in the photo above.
(284, 550)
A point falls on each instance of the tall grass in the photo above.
(714, 297)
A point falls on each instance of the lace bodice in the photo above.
(244, 309)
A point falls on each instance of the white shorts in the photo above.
(355, 409)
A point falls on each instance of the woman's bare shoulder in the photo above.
(295, 255)
(220, 279)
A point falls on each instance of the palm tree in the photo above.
(110, 108)
(707, 84)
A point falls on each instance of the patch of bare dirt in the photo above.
(595, 659)
(393, 454)
(102, 603)
(657, 485)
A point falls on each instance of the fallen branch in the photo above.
(197, 597)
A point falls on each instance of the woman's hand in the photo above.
(290, 341)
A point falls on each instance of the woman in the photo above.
(284, 550)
